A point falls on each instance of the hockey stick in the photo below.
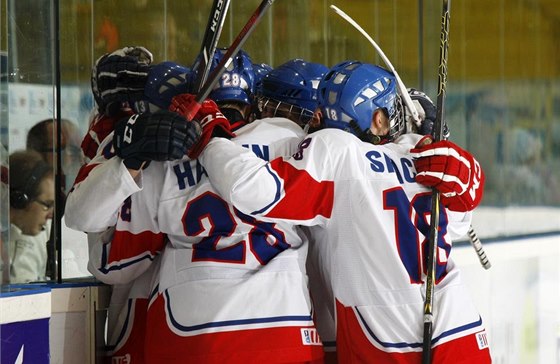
(401, 86)
(434, 217)
(210, 41)
(228, 57)
(477, 245)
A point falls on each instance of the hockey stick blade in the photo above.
(477, 245)
(210, 41)
(400, 83)
(228, 58)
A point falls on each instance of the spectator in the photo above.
(42, 138)
(31, 208)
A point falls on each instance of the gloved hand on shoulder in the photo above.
(159, 136)
(427, 112)
(451, 170)
(209, 116)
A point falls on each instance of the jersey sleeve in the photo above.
(120, 256)
(101, 187)
(459, 224)
(288, 188)
(100, 127)
(102, 203)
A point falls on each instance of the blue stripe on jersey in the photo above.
(105, 257)
(458, 329)
(417, 345)
(277, 195)
(124, 327)
(306, 318)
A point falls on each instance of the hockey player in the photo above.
(229, 288)
(290, 90)
(369, 216)
(125, 82)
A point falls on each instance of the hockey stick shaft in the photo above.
(400, 83)
(228, 57)
(210, 41)
(434, 218)
(477, 245)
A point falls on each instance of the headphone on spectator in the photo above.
(20, 197)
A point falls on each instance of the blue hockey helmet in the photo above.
(237, 83)
(294, 82)
(165, 80)
(261, 70)
(352, 91)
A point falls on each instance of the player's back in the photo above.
(368, 221)
(207, 234)
(227, 279)
(370, 252)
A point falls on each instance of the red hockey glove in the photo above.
(209, 116)
(454, 172)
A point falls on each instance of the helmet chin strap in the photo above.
(367, 135)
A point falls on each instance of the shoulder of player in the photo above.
(279, 123)
(268, 130)
(335, 139)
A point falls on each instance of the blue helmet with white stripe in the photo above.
(237, 83)
(352, 91)
(261, 70)
(290, 91)
(165, 80)
(294, 82)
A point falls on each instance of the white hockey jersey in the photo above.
(222, 272)
(369, 222)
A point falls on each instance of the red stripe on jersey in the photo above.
(84, 172)
(127, 245)
(353, 346)
(131, 339)
(262, 345)
(102, 125)
(304, 197)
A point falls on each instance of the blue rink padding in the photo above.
(26, 342)
(24, 325)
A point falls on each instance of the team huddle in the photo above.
(287, 222)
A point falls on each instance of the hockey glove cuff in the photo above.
(210, 118)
